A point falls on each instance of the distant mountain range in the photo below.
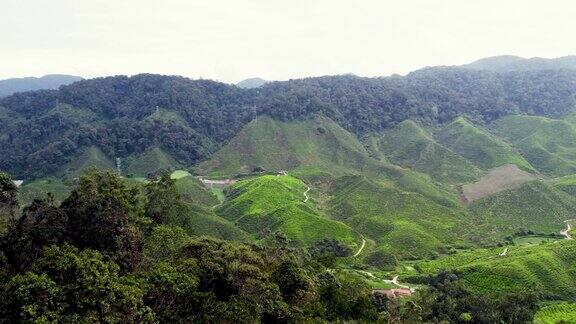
(50, 81)
(251, 83)
(508, 63)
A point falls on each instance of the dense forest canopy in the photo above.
(42, 130)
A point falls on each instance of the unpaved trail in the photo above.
(306, 194)
(395, 281)
(361, 247)
(504, 252)
(566, 232)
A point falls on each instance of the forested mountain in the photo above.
(189, 120)
(507, 63)
(50, 81)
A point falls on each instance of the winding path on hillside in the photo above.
(306, 194)
(566, 232)
(361, 247)
(395, 281)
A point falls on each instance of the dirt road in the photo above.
(361, 247)
(566, 232)
(306, 194)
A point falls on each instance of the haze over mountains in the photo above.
(507, 63)
(50, 81)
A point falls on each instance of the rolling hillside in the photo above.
(549, 144)
(411, 146)
(548, 268)
(268, 204)
(535, 206)
(408, 224)
(478, 146)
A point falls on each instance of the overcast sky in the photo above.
(230, 40)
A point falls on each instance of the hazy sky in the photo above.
(230, 40)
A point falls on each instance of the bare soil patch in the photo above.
(504, 177)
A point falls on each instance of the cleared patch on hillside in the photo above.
(504, 177)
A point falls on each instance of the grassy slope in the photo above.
(408, 224)
(535, 206)
(38, 189)
(409, 145)
(270, 203)
(193, 191)
(566, 184)
(152, 160)
(91, 157)
(550, 268)
(477, 145)
(556, 313)
(276, 146)
(549, 145)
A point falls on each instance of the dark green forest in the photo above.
(190, 119)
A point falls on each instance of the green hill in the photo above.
(411, 146)
(193, 191)
(152, 160)
(480, 147)
(535, 206)
(549, 144)
(548, 268)
(408, 224)
(269, 204)
(92, 157)
(272, 145)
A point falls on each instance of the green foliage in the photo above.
(69, 285)
(163, 201)
(8, 196)
(561, 312)
(382, 259)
